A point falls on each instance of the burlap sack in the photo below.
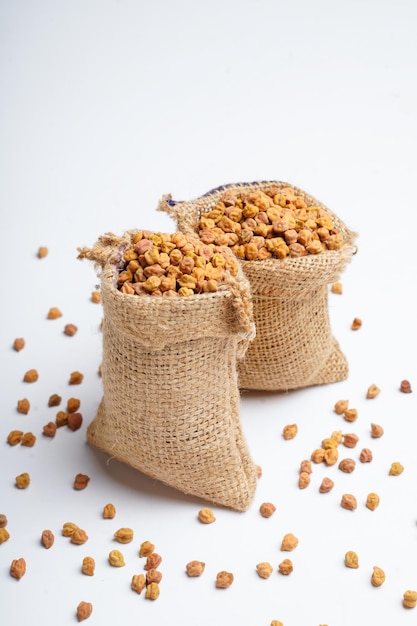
(294, 346)
(170, 405)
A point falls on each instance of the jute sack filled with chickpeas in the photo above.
(291, 247)
(177, 318)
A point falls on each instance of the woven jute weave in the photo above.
(170, 405)
(294, 346)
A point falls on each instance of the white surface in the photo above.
(105, 107)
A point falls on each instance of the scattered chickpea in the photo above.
(264, 569)
(18, 568)
(206, 516)
(152, 591)
(23, 406)
(14, 437)
(23, 480)
(331, 456)
(28, 440)
(4, 535)
(378, 576)
(84, 610)
(356, 324)
(54, 400)
(305, 466)
(49, 430)
(88, 566)
(376, 431)
(258, 471)
(410, 599)
(68, 529)
(73, 404)
(350, 415)
(54, 313)
(349, 502)
(70, 330)
(116, 559)
(152, 561)
(153, 576)
(405, 386)
(224, 579)
(42, 252)
(61, 418)
(76, 378)
(79, 537)
(303, 480)
(350, 440)
(74, 421)
(337, 288)
(289, 542)
(366, 455)
(96, 297)
(347, 465)
(341, 406)
(31, 376)
(326, 485)
(351, 559)
(372, 501)
(47, 539)
(81, 481)
(317, 456)
(195, 568)
(109, 511)
(267, 509)
(373, 392)
(124, 535)
(276, 622)
(3, 520)
(146, 548)
(138, 583)
(290, 431)
(19, 344)
(286, 567)
(396, 469)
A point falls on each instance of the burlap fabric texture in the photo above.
(294, 346)
(170, 405)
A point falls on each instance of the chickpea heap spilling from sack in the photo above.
(250, 226)
(274, 224)
(160, 264)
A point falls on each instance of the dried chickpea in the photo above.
(47, 539)
(88, 566)
(329, 442)
(326, 485)
(84, 610)
(347, 465)
(54, 313)
(96, 297)
(109, 511)
(49, 430)
(317, 456)
(152, 591)
(23, 480)
(331, 456)
(350, 415)
(4, 535)
(152, 561)
(68, 529)
(264, 569)
(42, 252)
(405, 386)
(303, 480)
(153, 576)
(224, 579)
(23, 406)
(366, 455)
(138, 583)
(146, 548)
(61, 419)
(376, 431)
(124, 535)
(206, 516)
(276, 622)
(3, 520)
(70, 330)
(356, 324)
(289, 542)
(73, 404)
(410, 599)
(372, 501)
(290, 431)
(18, 568)
(286, 567)
(19, 344)
(31, 376)
(305, 466)
(74, 421)
(372, 392)
(195, 568)
(378, 576)
(28, 440)
(351, 559)
(116, 558)
(267, 509)
(396, 469)
(350, 440)
(14, 437)
(54, 400)
(341, 406)
(81, 481)
(79, 537)
(348, 502)
(76, 378)
(337, 288)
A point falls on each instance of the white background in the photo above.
(104, 107)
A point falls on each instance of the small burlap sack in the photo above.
(170, 405)
(294, 346)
